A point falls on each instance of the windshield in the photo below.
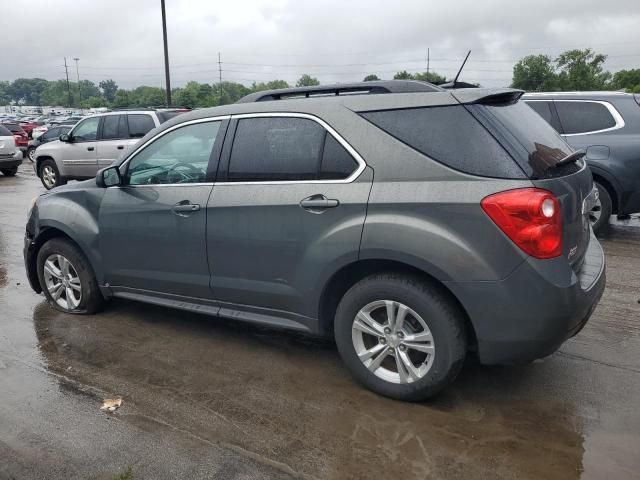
(532, 142)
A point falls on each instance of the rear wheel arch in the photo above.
(352, 273)
(613, 193)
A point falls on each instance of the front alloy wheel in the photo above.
(393, 341)
(62, 282)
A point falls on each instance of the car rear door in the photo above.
(288, 206)
(152, 227)
(113, 139)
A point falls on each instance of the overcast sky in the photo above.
(336, 41)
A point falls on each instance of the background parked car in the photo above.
(43, 128)
(607, 126)
(49, 136)
(9, 159)
(94, 143)
(21, 137)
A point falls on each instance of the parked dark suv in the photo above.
(413, 224)
(607, 126)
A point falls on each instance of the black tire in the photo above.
(606, 207)
(443, 317)
(30, 153)
(48, 163)
(91, 299)
(9, 172)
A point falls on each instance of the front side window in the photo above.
(140, 125)
(180, 156)
(87, 130)
(51, 133)
(583, 117)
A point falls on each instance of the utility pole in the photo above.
(220, 77)
(166, 54)
(66, 69)
(79, 87)
(427, 63)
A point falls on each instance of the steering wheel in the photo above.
(182, 176)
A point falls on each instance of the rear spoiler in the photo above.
(487, 96)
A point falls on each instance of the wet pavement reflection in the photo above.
(211, 398)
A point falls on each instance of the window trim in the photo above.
(220, 118)
(356, 156)
(612, 110)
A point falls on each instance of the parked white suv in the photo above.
(94, 143)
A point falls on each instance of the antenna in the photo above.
(461, 67)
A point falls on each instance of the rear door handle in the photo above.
(91, 149)
(318, 203)
(120, 147)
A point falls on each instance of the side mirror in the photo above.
(109, 177)
(65, 138)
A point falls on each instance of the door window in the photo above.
(140, 125)
(114, 127)
(543, 109)
(583, 117)
(180, 156)
(86, 130)
(51, 134)
(286, 149)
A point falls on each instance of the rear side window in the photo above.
(140, 125)
(276, 149)
(337, 163)
(5, 132)
(13, 127)
(449, 135)
(543, 108)
(114, 126)
(583, 116)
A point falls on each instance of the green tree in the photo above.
(94, 102)
(627, 79)
(272, 85)
(28, 90)
(109, 89)
(535, 73)
(307, 80)
(121, 99)
(431, 77)
(371, 78)
(582, 70)
(5, 98)
(403, 75)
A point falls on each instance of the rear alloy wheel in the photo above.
(601, 212)
(400, 336)
(9, 172)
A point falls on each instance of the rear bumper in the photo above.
(530, 313)
(9, 161)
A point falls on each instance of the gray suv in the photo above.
(94, 142)
(606, 125)
(412, 224)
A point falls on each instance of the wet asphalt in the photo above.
(210, 398)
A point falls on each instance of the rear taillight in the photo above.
(530, 217)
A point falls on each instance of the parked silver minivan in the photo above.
(94, 143)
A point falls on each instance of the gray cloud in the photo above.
(333, 40)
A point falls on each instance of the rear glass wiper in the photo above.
(572, 157)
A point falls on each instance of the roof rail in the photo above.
(374, 87)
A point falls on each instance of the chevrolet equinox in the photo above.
(415, 225)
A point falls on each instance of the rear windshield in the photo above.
(531, 141)
(450, 135)
(4, 132)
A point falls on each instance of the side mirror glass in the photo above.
(108, 177)
(65, 138)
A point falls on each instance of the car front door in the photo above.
(152, 227)
(289, 205)
(79, 156)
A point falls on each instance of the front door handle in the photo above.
(120, 147)
(91, 149)
(185, 207)
(319, 202)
